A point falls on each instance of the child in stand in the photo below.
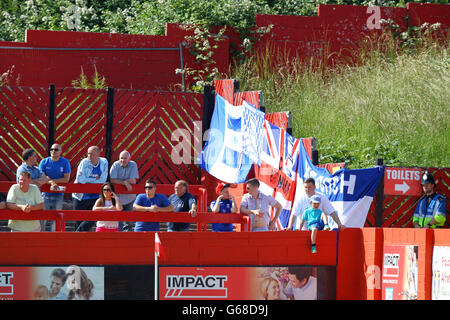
(108, 201)
(225, 203)
(315, 219)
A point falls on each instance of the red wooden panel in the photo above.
(143, 124)
(24, 124)
(80, 122)
(225, 88)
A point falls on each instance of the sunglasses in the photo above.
(54, 149)
(149, 187)
(107, 190)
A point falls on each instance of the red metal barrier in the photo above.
(61, 216)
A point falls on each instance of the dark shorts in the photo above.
(316, 224)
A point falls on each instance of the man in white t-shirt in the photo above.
(304, 203)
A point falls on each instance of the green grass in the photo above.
(395, 105)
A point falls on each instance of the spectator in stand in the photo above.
(315, 220)
(125, 172)
(182, 201)
(431, 210)
(108, 201)
(57, 169)
(305, 202)
(150, 201)
(24, 197)
(29, 163)
(93, 169)
(256, 205)
(224, 203)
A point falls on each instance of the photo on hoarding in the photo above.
(248, 283)
(441, 273)
(51, 283)
(400, 272)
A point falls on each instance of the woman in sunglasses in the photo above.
(108, 201)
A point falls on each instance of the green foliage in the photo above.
(83, 82)
(394, 105)
(202, 45)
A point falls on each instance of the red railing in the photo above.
(61, 216)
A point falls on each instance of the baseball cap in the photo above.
(315, 199)
(220, 186)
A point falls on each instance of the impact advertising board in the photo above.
(441, 273)
(137, 282)
(400, 272)
(247, 283)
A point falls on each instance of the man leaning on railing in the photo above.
(25, 197)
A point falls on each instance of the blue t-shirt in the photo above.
(35, 172)
(224, 207)
(312, 216)
(180, 204)
(54, 170)
(160, 200)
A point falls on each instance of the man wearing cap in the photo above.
(431, 209)
(225, 203)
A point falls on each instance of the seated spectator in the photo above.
(108, 201)
(182, 201)
(224, 203)
(25, 197)
(150, 201)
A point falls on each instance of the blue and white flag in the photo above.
(252, 132)
(350, 191)
(222, 155)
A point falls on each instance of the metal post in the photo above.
(208, 108)
(315, 157)
(183, 85)
(109, 124)
(51, 117)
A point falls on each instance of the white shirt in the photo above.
(303, 203)
(108, 224)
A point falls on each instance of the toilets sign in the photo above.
(402, 181)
